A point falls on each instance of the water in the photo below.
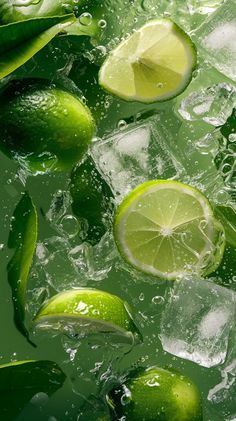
(180, 139)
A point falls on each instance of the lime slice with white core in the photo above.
(87, 310)
(167, 229)
(154, 64)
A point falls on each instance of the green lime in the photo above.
(88, 310)
(167, 229)
(43, 125)
(155, 63)
(92, 200)
(156, 394)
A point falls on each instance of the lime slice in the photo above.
(167, 229)
(87, 310)
(155, 63)
(155, 394)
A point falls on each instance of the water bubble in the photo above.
(141, 296)
(158, 299)
(121, 124)
(102, 23)
(70, 225)
(85, 19)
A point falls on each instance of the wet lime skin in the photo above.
(156, 394)
(46, 125)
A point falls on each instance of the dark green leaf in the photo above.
(227, 216)
(22, 238)
(22, 40)
(20, 381)
(92, 199)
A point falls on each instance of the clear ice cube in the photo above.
(203, 6)
(213, 104)
(216, 39)
(223, 395)
(197, 321)
(136, 154)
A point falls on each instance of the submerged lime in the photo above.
(44, 125)
(167, 229)
(155, 63)
(156, 394)
(88, 310)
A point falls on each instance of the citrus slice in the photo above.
(155, 63)
(167, 229)
(155, 394)
(88, 310)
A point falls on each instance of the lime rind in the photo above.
(135, 61)
(204, 246)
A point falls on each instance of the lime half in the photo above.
(155, 63)
(167, 229)
(86, 310)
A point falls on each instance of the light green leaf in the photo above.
(90, 29)
(22, 40)
(21, 380)
(22, 238)
(227, 216)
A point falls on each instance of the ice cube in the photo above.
(213, 104)
(197, 321)
(203, 6)
(216, 39)
(135, 154)
(223, 394)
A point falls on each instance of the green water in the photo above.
(94, 364)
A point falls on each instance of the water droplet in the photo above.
(85, 19)
(102, 23)
(158, 299)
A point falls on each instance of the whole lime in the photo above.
(156, 394)
(44, 125)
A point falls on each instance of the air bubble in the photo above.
(85, 19)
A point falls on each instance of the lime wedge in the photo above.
(167, 229)
(86, 310)
(155, 63)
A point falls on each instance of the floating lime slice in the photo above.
(156, 394)
(155, 63)
(167, 229)
(88, 310)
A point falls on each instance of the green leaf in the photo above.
(90, 29)
(20, 381)
(22, 40)
(22, 238)
(227, 216)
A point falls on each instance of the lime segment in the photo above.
(155, 63)
(87, 310)
(167, 229)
